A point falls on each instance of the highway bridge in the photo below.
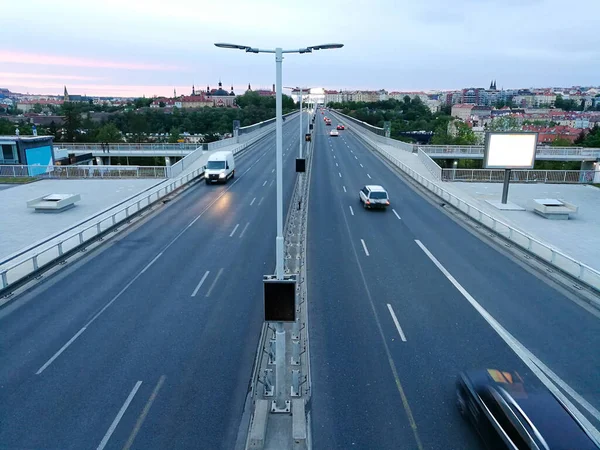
(149, 341)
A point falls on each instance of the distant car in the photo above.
(374, 196)
(340, 127)
(510, 413)
(334, 133)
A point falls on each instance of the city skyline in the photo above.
(150, 48)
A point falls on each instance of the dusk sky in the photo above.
(126, 47)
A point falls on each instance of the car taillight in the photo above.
(388, 202)
(368, 202)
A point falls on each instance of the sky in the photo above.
(150, 47)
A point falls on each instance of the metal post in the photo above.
(279, 164)
(300, 152)
(280, 331)
(505, 187)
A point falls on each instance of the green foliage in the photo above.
(37, 108)
(109, 133)
(464, 134)
(6, 127)
(142, 102)
(404, 115)
(212, 122)
(561, 142)
(71, 112)
(568, 105)
(592, 139)
(174, 135)
(504, 124)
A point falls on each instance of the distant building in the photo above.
(68, 98)
(28, 105)
(220, 97)
(462, 111)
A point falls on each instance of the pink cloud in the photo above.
(11, 76)
(58, 60)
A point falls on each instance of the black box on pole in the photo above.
(300, 165)
(279, 299)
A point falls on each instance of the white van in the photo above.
(219, 168)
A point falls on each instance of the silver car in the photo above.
(374, 196)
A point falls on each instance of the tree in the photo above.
(162, 104)
(174, 135)
(504, 124)
(464, 134)
(142, 102)
(109, 133)
(72, 121)
(561, 142)
(37, 108)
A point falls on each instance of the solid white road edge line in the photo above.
(522, 352)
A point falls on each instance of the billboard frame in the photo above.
(486, 149)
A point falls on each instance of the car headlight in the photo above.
(222, 175)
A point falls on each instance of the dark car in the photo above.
(511, 413)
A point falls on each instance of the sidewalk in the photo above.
(21, 226)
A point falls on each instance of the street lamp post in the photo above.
(279, 266)
(300, 99)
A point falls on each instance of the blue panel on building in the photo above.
(38, 156)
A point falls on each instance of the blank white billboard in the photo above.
(510, 150)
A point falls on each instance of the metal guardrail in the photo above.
(122, 146)
(70, 172)
(520, 176)
(377, 134)
(13, 269)
(542, 151)
(578, 270)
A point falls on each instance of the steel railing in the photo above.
(542, 151)
(585, 274)
(520, 176)
(122, 146)
(377, 134)
(63, 172)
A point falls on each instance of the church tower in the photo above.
(66, 95)
(193, 90)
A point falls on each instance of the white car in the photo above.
(374, 196)
(334, 133)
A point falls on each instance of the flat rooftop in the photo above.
(21, 226)
(578, 237)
